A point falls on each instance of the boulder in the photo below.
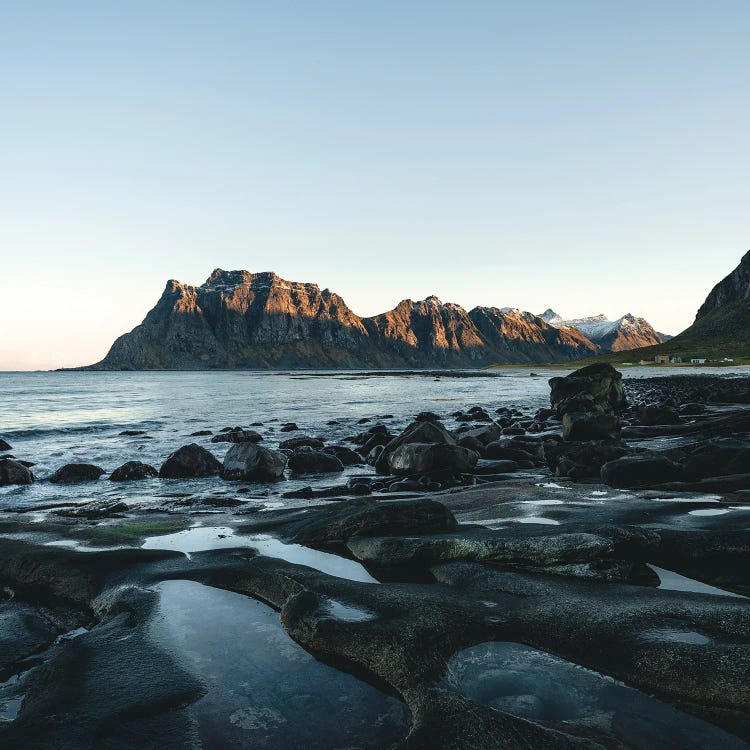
(641, 471)
(133, 470)
(347, 456)
(4, 446)
(427, 432)
(289, 427)
(190, 461)
(579, 425)
(472, 444)
(596, 388)
(238, 436)
(486, 434)
(425, 458)
(14, 472)
(374, 440)
(71, 473)
(306, 460)
(248, 460)
(303, 441)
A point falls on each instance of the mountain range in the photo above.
(238, 319)
(627, 332)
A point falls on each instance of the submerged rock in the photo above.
(14, 472)
(71, 473)
(247, 460)
(238, 436)
(133, 470)
(190, 461)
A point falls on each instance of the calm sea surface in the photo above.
(54, 418)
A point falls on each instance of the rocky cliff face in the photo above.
(238, 319)
(623, 334)
(733, 288)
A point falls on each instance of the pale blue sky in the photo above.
(588, 156)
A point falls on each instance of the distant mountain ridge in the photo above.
(238, 319)
(625, 333)
(721, 330)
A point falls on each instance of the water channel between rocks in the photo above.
(263, 690)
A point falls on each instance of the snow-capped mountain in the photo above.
(627, 332)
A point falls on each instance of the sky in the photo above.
(585, 156)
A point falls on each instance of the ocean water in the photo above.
(54, 418)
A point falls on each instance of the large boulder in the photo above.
(641, 471)
(306, 460)
(237, 436)
(427, 458)
(72, 473)
(422, 431)
(5, 446)
(596, 388)
(133, 470)
(247, 460)
(14, 472)
(589, 402)
(190, 461)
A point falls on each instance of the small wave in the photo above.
(35, 432)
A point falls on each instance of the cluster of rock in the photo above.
(588, 433)
(712, 458)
